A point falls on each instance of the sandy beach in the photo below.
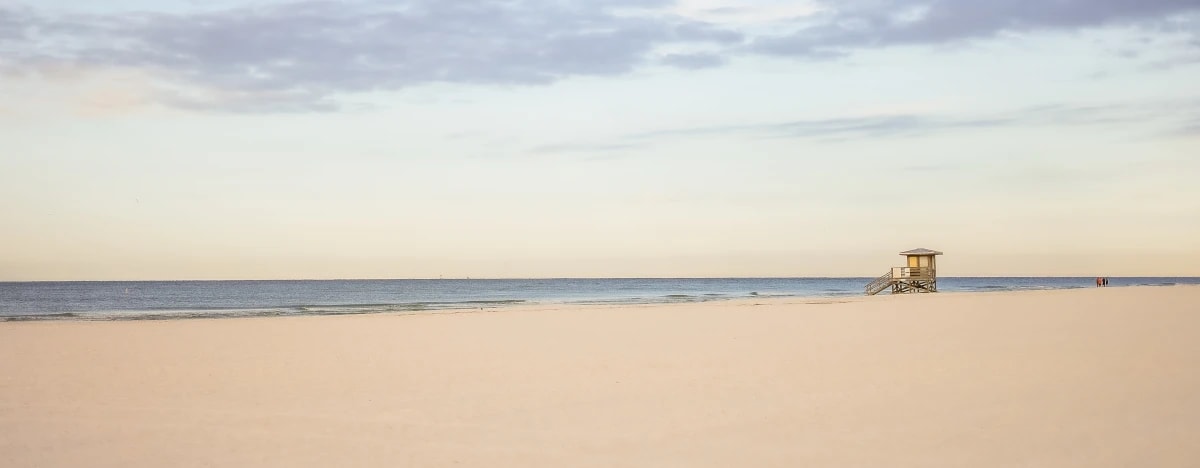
(1087, 378)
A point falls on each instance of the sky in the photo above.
(248, 139)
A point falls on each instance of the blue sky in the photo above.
(279, 139)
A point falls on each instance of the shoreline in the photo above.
(335, 310)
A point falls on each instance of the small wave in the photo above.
(772, 295)
(665, 299)
(296, 310)
(33, 317)
(618, 301)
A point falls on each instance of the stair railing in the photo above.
(879, 284)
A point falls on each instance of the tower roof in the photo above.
(921, 251)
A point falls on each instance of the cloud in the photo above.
(1181, 60)
(583, 147)
(1190, 129)
(297, 55)
(694, 61)
(850, 127)
(12, 34)
(847, 25)
(301, 55)
(745, 12)
(903, 125)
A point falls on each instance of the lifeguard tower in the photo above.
(920, 276)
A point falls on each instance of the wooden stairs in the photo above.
(879, 284)
(911, 280)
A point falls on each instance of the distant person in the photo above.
(1098, 282)
(1105, 279)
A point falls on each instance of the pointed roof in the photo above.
(921, 251)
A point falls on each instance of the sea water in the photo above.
(115, 300)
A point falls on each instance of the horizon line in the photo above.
(468, 278)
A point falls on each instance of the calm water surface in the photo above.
(104, 300)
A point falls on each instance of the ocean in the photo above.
(145, 300)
